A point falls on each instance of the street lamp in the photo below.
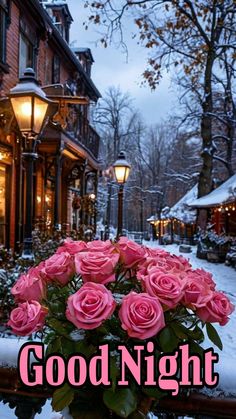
(122, 170)
(30, 107)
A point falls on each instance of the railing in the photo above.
(90, 139)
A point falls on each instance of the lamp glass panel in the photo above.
(120, 173)
(40, 110)
(22, 107)
(127, 172)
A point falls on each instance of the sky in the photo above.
(111, 67)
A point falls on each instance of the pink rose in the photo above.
(173, 264)
(146, 266)
(72, 247)
(155, 252)
(217, 309)
(29, 286)
(180, 263)
(90, 306)
(131, 252)
(168, 288)
(141, 315)
(27, 318)
(196, 291)
(96, 266)
(205, 276)
(59, 268)
(100, 246)
(167, 263)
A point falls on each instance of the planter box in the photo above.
(213, 257)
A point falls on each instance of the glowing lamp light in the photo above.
(122, 169)
(92, 196)
(29, 103)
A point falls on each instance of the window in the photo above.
(26, 54)
(57, 20)
(56, 69)
(4, 14)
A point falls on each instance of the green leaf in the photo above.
(57, 326)
(114, 372)
(84, 348)
(213, 336)
(154, 392)
(196, 348)
(168, 340)
(179, 330)
(54, 346)
(197, 334)
(62, 397)
(123, 402)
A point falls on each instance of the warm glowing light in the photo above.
(227, 209)
(121, 168)
(26, 109)
(92, 196)
(122, 174)
(29, 103)
(233, 209)
(39, 199)
(47, 199)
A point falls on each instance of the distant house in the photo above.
(221, 203)
(177, 223)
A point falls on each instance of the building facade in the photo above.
(36, 34)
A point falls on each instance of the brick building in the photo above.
(36, 34)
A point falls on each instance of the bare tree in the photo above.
(115, 119)
(190, 36)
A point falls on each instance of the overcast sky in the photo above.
(112, 68)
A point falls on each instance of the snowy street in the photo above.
(225, 278)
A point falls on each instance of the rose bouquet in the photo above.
(117, 295)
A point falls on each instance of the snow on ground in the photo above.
(225, 278)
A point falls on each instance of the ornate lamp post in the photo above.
(122, 171)
(30, 107)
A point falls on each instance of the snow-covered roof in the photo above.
(80, 50)
(54, 2)
(224, 194)
(48, 4)
(180, 210)
(152, 218)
